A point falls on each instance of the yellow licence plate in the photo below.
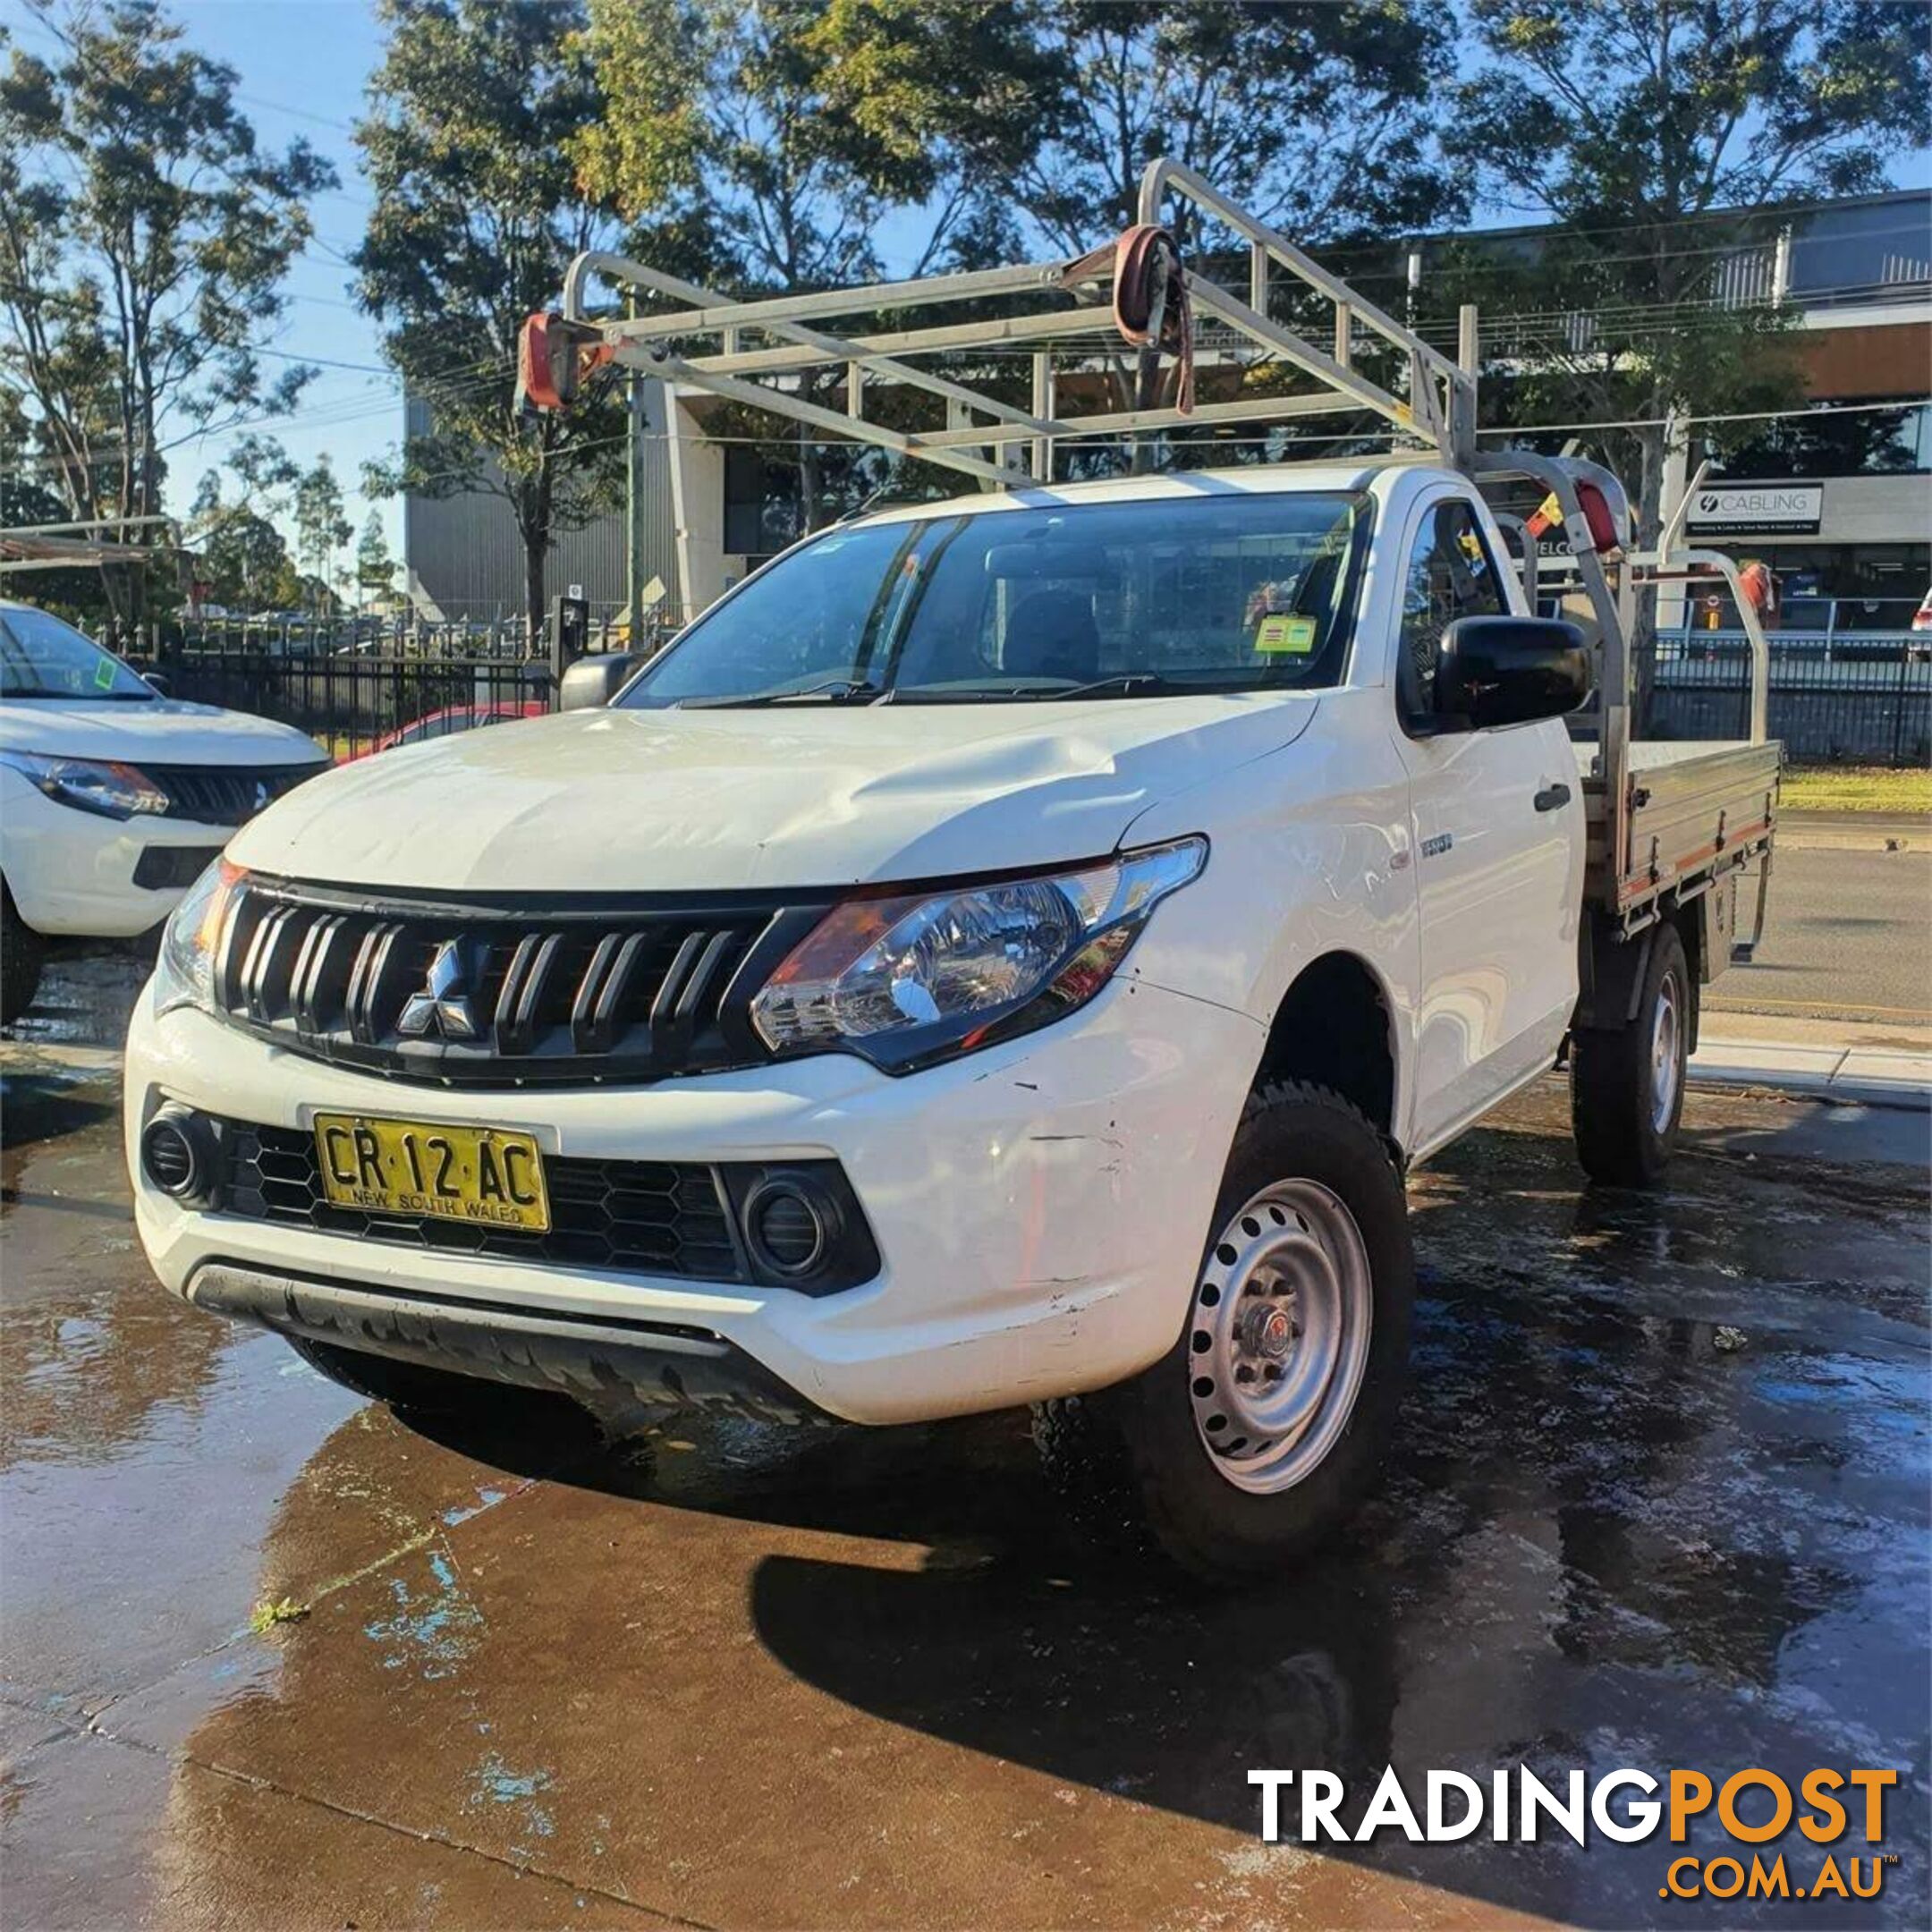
(483, 1174)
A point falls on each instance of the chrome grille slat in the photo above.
(551, 996)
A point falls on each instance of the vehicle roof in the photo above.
(1251, 479)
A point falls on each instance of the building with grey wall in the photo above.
(465, 558)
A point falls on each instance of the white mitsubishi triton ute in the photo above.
(1006, 951)
(114, 799)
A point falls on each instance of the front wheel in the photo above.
(1260, 1430)
(1627, 1082)
(23, 952)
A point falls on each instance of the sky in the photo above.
(302, 66)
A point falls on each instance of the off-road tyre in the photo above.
(22, 954)
(411, 1388)
(1627, 1083)
(1141, 1447)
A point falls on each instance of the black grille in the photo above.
(653, 1217)
(463, 996)
(225, 794)
(162, 865)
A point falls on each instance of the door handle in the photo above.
(1551, 797)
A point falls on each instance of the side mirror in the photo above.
(1509, 671)
(156, 681)
(591, 683)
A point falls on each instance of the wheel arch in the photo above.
(1335, 1027)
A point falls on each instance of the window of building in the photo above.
(1888, 439)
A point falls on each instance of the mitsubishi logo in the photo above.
(443, 1007)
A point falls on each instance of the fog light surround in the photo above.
(798, 1224)
(177, 1153)
(791, 1225)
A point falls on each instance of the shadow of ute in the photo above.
(36, 1107)
(1128, 1688)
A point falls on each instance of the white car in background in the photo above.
(114, 799)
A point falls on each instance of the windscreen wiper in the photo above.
(1124, 684)
(834, 691)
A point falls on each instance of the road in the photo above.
(741, 1676)
(1849, 937)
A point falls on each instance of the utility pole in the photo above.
(634, 505)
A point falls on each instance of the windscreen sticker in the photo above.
(104, 675)
(1292, 637)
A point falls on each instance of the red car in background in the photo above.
(452, 718)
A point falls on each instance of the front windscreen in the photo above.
(1227, 591)
(42, 657)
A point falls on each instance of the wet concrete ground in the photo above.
(734, 1676)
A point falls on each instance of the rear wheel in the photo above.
(1627, 1082)
(1260, 1430)
(23, 953)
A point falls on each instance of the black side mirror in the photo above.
(592, 683)
(1509, 671)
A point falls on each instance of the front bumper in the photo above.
(72, 872)
(1038, 1207)
(619, 1371)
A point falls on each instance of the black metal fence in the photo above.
(356, 702)
(1859, 699)
(357, 686)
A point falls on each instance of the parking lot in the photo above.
(1662, 1500)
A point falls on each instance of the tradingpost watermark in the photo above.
(1839, 1816)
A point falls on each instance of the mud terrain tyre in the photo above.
(23, 952)
(412, 1388)
(1627, 1082)
(1259, 1432)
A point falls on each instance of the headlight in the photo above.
(113, 790)
(907, 980)
(184, 967)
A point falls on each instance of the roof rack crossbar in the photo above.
(1449, 422)
(981, 426)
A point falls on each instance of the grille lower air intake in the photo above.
(683, 1219)
(480, 995)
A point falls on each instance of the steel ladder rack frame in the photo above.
(1440, 409)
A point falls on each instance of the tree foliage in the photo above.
(144, 235)
(1318, 117)
(478, 213)
(376, 568)
(765, 143)
(240, 556)
(1663, 137)
(321, 529)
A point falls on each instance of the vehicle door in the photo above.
(1497, 820)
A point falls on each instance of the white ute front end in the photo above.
(113, 798)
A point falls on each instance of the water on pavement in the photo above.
(1662, 1500)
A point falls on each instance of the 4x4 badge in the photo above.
(443, 1007)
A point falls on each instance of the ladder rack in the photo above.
(987, 435)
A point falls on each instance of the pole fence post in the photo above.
(634, 503)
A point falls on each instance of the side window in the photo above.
(1451, 574)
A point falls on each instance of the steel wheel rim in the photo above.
(1665, 1031)
(1279, 1337)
